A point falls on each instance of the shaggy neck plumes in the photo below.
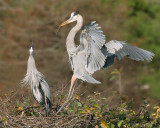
(33, 76)
(31, 66)
(70, 38)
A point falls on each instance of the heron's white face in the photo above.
(31, 50)
(74, 16)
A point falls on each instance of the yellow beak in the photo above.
(66, 22)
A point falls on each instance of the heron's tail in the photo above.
(88, 78)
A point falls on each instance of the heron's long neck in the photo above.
(70, 44)
(31, 66)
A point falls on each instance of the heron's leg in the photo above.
(69, 94)
(45, 100)
(47, 112)
(72, 86)
(46, 105)
(73, 89)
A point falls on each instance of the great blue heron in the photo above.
(39, 86)
(93, 53)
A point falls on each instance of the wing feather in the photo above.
(46, 89)
(121, 49)
(93, 40)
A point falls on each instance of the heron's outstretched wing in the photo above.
(119, 49)
(92, 40)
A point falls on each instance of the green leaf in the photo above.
(36, 114)
(104, 124)
(114, 77)
(79, 104)
(112, 125)
(62, 96)
(96, 105)
(82, 112)
(114, 72)
(72, 106)
(102, 107)
(120, 123)
(106, 113)
(92, 101)
(103, 98)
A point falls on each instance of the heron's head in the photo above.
(74, 17)
(31, 51)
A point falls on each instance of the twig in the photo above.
(29, 108)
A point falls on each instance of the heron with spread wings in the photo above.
(93, 53)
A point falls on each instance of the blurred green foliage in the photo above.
(143, 27)
(152, 81)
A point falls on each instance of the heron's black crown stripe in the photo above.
(76, 13)
(32, 46)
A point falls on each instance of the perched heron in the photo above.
(94, 53)
(39, 86)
